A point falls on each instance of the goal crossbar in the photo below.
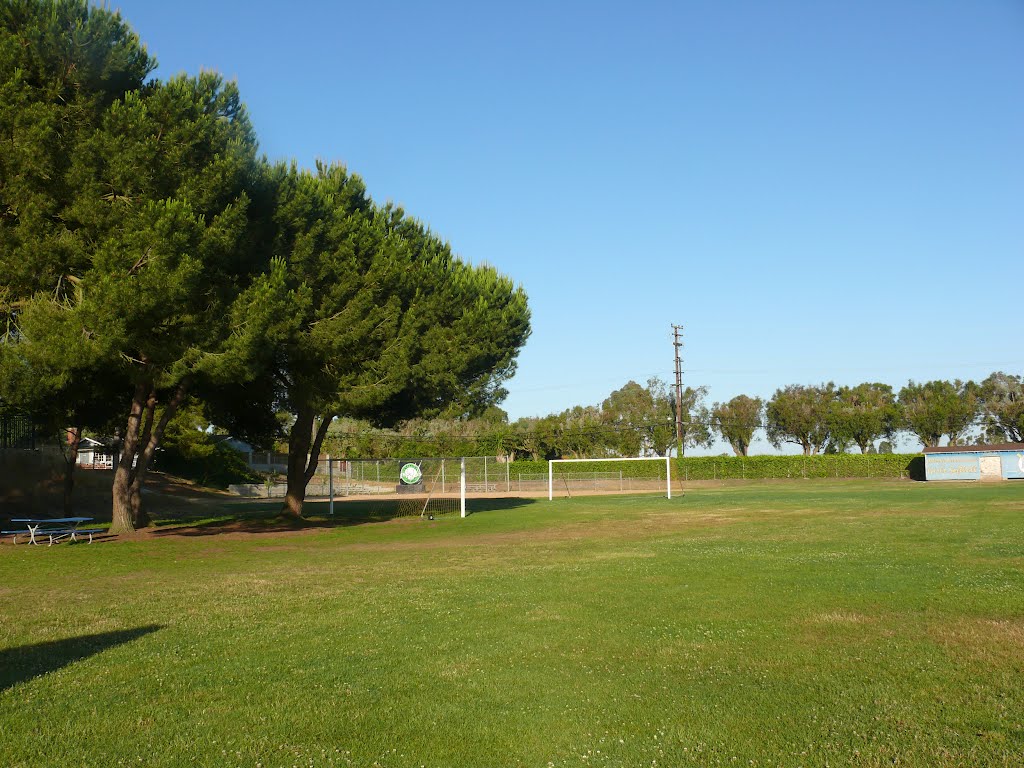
(552, 462)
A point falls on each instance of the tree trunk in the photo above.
(318, 444)
(74, 439)
(122, 518)
(299, 440)
(134, 500)
(154, 435)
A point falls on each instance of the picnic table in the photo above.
(54, 528)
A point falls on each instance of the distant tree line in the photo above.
(640, 420)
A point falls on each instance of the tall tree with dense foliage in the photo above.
(62, 65)
(389, 324)
(737, 420)
(1002, 399)
(800, 415)
(537, 438)
(580, 433)
(628, 414)
(864, 414)
(938, 409)
(696, 424)
(146, 277)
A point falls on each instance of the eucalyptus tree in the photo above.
(537, 438)
(388, 323)
(641, 419)
(863, 414)
(800, 415)
(628, 414)
(580, 433)
(696, 423)
(737, 420)
(1002, 398)
(938, 409)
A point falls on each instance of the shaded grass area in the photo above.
(799, 623)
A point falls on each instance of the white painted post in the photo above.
(462, 486)
(668, 476)
(330, 483)
(551, 494)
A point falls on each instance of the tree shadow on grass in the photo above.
(347, 512)
(18, 665)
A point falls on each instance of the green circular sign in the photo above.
(410, 474)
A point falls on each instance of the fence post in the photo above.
(508, 477)
(462, 486)
(330, 484)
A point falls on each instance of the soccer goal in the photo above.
(604, 476)
(400, 487)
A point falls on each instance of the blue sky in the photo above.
(819, 190)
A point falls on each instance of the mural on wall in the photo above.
(1013, 465)
(974, 466)
(944, 466)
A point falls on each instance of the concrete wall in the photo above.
(976, 465)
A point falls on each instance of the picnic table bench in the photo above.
(54, 528)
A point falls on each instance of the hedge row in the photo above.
(843, 465)
(892, 465)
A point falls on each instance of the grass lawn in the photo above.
(804, 623)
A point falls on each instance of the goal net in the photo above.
(398, 487)
(622, 475)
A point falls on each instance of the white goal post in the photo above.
(433, 489)
(552, 462)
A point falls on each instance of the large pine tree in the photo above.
(126, 230)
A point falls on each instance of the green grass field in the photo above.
(797, 624)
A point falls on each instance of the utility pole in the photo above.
(677, 332)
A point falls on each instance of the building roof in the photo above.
(977, 448)
(97, 442)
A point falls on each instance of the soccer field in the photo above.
(803, 623)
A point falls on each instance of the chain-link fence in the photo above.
(17, 432)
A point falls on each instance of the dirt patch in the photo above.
(987, 640)
(842, 618)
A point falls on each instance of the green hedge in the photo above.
(848, 465)
(777, 467)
